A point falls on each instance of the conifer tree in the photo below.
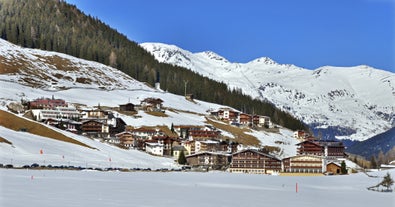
(181, 158)
(343, 167)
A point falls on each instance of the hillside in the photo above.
(57, 26)
(110, 88)
(11, 121)
(347, 103)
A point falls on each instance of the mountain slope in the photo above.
(383, 142)
(354, 102)
(54, 71)
(59, 26)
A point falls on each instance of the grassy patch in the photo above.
(16, 123)
(5, 141)
(59, 63)
(239, 133)
(156, 113)
(184, 111)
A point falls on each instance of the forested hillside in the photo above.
(57, 26)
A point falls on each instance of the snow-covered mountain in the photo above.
(31, 73)
(346, 102)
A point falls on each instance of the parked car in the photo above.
(9, 166)
(35, 165)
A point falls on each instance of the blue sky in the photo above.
(307, 33)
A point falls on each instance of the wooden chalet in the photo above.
(147, 133)
(167, 143)
(209, 160)
(196, 132)
(152, 104)
(245, 119)
(126, 139)
(95, 114)
(127, 107)
(301, 134)
(228, 146)
(95, 129)
(226, 114)
(93, 126)
(332, 149)
(207, 145)
(183, 130)
(254, 161)
(333, 168)
(203, 134)
(303, 164)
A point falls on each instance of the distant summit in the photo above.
(264, 60)
(337, 102)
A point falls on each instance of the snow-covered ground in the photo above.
(26, 148)
(91, 188)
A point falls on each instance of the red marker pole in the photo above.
(296, 187)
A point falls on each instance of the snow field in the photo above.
(92, 188)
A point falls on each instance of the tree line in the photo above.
(55, 25)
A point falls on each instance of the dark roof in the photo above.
(127, 104)
(324, 143)
(179, 148)
(209, 153)
(256, 151)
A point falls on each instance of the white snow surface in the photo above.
(25, 146)
(91, 188)
(359, 98)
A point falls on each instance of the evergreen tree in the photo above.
(172, 128)
(343, 167)
(387, 181)
(181, 158)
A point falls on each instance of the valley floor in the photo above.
(92, 188)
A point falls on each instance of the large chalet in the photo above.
(209, 160)
(328, 149)
(304, 164)
(255, 162)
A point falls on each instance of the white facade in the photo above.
(57, 113)
(265, 120)
(154, 148)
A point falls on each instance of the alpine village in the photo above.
(192, 147)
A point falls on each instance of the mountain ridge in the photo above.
(327, 97)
